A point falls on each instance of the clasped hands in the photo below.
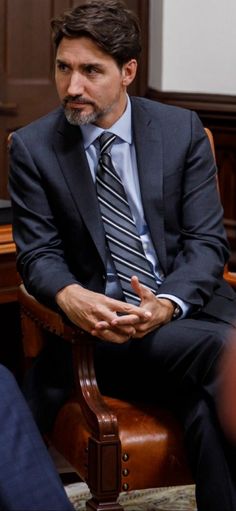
(113, 320)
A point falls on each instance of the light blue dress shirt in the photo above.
(125, 163)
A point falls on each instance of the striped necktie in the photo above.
(121, 233)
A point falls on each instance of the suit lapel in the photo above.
(74, 167)
(149, 151)
(73, 163)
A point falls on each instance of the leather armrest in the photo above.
(230, 277)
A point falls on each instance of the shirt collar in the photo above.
(121, 128)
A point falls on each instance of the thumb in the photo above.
(138, 288)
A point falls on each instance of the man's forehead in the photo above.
(81, 46)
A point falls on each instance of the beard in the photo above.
(76, 117)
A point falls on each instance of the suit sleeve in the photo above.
(40, 253)
(201, 248)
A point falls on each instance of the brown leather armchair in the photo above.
(113, 445)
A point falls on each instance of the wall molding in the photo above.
(217, 106)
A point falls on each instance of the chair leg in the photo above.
(93, 505)
(104, 475)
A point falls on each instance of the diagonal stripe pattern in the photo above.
(121, 233)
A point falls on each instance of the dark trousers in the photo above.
(177, 366)
(28, 479)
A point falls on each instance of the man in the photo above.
(118, 223)
(28, 480)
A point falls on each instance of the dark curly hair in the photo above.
(113, 27)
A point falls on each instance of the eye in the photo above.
(61, 66)
(91, 70)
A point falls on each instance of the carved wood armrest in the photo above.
(101, 419)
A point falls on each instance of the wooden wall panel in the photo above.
(27, 75)
(29, 68)
(2, 48)
(32, 59)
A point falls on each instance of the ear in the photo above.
(128, 72)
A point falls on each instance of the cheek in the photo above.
(61, 86)
(109, 92)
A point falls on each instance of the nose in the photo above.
(76, 85)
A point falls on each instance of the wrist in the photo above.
(177, 311)
(174, 307)
(64, 294)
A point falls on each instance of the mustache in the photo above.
(76, 99)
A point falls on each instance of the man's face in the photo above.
(90, 84)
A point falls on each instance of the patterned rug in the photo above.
(179, 498)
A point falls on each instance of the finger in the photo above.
(118, 321)
(126, 310)
(102, 333)
(141, 333)
(126, 319)
(101, 325)
(139, 289)
(125, 331)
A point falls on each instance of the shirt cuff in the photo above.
(185, 307)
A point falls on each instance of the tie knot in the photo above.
(106, 140)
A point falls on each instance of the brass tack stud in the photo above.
(125, 486)
(125, 456)
(125, 472)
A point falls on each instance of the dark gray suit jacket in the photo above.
(57, 225)
(28, 479)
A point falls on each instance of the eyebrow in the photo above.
(95, 64)
(60, 61)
